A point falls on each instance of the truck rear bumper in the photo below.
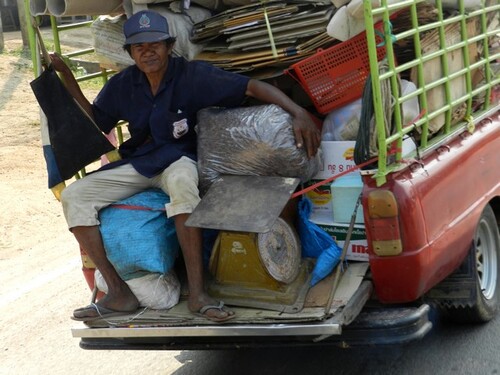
(378, 325)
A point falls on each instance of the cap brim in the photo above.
(147, 37)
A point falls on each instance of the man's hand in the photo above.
(305, 130)
(58, 64)
(306, 133)
(70, 82)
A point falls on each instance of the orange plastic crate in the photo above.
(336, 76)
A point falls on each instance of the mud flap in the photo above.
(385, 326)
(459, 289)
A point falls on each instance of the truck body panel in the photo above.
(439, 208)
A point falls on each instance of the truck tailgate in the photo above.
(348, 300)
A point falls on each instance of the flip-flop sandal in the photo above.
(202, 312)
(93, 309)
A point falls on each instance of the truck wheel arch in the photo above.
(484, 261)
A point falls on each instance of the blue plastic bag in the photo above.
(316, 243)
(327, 261)
(314, 239)
(139, 239)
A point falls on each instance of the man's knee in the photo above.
(181, 180)
(69, 194)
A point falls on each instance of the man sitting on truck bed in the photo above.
(159, 97)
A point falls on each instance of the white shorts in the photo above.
(83, 199)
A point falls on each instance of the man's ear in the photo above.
(170, 47)
(126, 47)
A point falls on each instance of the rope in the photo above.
(366, 142)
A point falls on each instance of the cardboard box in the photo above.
(358, 246)
(321, 198)
(337, 157)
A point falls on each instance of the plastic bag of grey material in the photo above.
(250, 141)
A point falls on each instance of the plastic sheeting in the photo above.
(256, 141)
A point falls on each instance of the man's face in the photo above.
(151, 57)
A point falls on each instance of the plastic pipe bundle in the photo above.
(38, 7)
(60, 8)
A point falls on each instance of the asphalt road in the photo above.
(446, 350)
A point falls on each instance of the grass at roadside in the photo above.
(24, 63)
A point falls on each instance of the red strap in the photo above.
(132, 207)
(329, 179)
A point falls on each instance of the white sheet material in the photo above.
(208, 4)
(60, 8)
(108, 39)
(180, 26)
(158, 292)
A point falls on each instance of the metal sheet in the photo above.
(243, 203)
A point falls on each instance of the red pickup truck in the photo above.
(431, 216)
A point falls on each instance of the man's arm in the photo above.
(71, 84)
(306, 132)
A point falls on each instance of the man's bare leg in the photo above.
(119, 296)
(190, 239)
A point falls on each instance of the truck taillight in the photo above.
(384, 223)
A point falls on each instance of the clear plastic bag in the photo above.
(342, 124)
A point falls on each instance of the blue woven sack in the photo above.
(138, 236)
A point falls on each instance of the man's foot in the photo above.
(94, 312)
(125, 303)
(210, 309)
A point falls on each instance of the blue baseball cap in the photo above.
(145, 27)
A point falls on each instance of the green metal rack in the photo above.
(483, 39)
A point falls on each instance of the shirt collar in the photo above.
(139, 78)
